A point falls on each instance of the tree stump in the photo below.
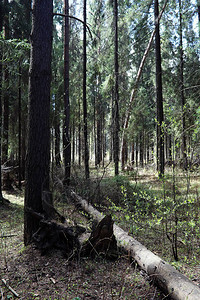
(102, 240)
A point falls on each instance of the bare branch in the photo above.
(77, 19)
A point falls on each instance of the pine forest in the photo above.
(100, 149)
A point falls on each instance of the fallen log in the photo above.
(171, 281)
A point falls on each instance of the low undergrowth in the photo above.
(53, 277)
(164, 215)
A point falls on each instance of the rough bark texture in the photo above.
(38, 149)
(1, 74)
(171, 281)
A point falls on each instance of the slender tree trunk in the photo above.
(141, 150)
(38, 149)
(136, 153)
(23, 145)
(6, 91)
(147, 141)
(66, 135)
(79, 136)
(86, 158)
(159, 97)
(132, 153)
(137, 79)
(116, 98)
(182, 96)
(94, 130)
(99, 140)
(19, 125)
(198, 8)
(57, 135)
(73, 143)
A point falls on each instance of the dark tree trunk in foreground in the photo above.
(66, 135)
(159, 97)
(182, 96)
(1, 74)
(38, 150)
(116, 99)
(87, 173)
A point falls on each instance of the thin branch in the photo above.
(11, 289)
(77, 19)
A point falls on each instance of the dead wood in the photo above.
(172, 282)
(54, 235)
(102, 240)
(10, 288)
(54, 232)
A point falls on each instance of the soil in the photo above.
(52, 276)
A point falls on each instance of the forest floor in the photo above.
(33, 276)
(52, 276)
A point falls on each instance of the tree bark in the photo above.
(38, 149)
(172, 282)
(6, 91)
(1, 78)
(159, 96)
(116, 94)
(66, 135)
(182, 96)
(198, 9)
(19, 126)
(86, 158)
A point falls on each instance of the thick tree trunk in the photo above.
(1, 79)
(38, 149)
(172, 282)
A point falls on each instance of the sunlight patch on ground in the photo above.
(14, 198)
